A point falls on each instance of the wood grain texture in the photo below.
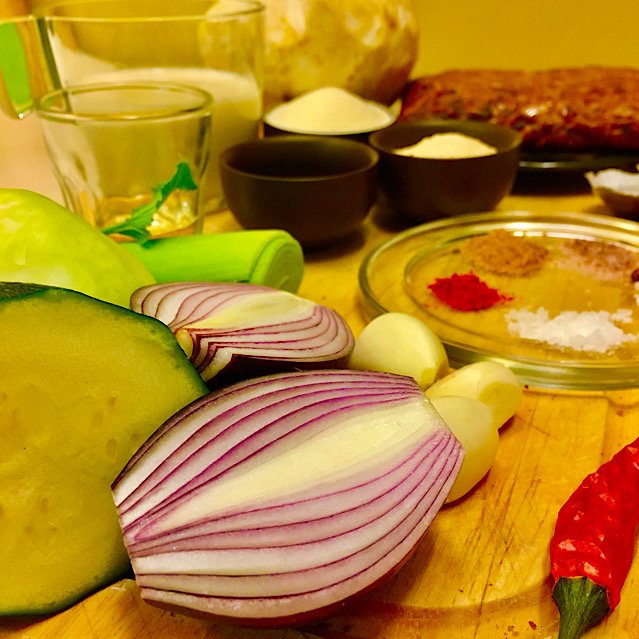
(481, 571)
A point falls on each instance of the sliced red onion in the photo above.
(232, 331)
(272, 501)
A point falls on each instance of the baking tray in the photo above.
(395, 277)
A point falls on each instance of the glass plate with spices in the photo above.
(552, 296)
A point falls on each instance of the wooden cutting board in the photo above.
(481, 571)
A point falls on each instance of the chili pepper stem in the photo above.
(582, 604)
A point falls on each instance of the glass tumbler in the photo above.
(113, 147)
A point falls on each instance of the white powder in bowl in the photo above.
(447, 146)
(329, 110)
(587, 331)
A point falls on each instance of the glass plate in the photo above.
(396, 275)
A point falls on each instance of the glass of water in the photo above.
(113, 145)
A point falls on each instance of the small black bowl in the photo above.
(425, 189)
(319, 189)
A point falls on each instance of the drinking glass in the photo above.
(113, 146)
(217, 46)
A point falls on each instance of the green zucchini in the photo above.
(83, 383)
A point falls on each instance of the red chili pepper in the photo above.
(466, 292)
(592, 548)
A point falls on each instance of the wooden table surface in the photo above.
(482, 570)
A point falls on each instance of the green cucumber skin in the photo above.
(42, 298)
(10, 290)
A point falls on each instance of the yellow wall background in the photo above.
(527, 34)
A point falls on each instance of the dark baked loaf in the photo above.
(591, 108)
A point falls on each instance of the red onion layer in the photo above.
(271, 501)
(245, 330)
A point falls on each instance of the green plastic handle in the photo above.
(271, 258)
(25, 72)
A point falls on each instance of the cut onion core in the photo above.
(272, 501)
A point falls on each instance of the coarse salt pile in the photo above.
(586, 331)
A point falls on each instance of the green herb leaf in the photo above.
(137, 224)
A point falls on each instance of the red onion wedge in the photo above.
(271, 502)
(231, 331)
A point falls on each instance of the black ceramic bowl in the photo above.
(425, 189)
(319, 189)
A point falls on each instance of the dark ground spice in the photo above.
(466, 292)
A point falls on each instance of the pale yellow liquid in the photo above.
(107, 167)
(236, 113)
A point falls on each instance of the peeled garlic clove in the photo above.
(492, 383)
(400, 343)
(472, 424)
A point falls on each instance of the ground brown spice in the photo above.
(503, 253)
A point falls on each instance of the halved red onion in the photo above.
(272, 501)
(231, 331)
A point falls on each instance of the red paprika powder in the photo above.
(466, 292)
(592, 548)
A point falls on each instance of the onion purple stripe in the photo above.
(390, 496)
(266, 408)
(288, 604)
(249, 447)
(372, 541)
(286, 330)
(235, 403)
(297, 547)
